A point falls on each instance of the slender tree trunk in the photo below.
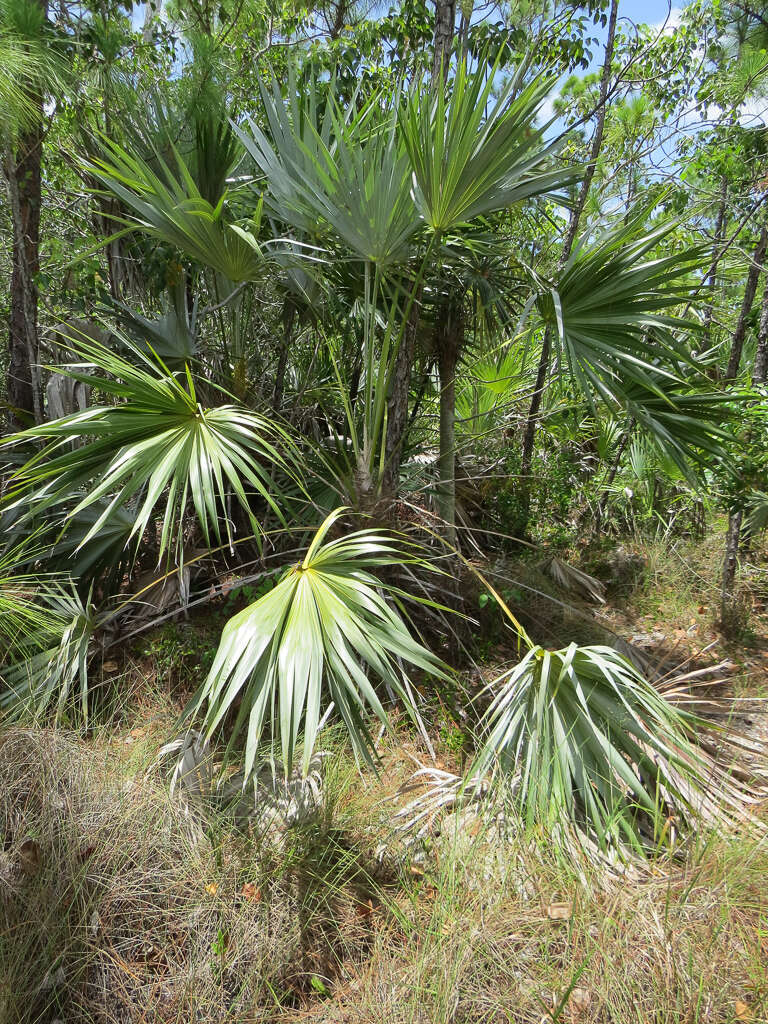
(532, 419)
(397, 403)
(532, 422)
(23, 174)
(445, 26)
(449, 339)
(729, 611)
(24, 177)
(761, 355)
(289, 316)
(730, 620)
(753, 276)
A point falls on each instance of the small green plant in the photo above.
(219, 950)
(452, 737)
(180, 653)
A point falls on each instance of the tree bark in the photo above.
(23, 172)
(760, 373)
(24, 176)
(750, 287)
(532, 419)
(397, 403)
(729, 611)
(449, 340)
(445, 26)
(730, 619)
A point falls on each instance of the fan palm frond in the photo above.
(309, 644)
(592, 746)
(478, 151)
(158, 447)
(58, 675)
(168, 206)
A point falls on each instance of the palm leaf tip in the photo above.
(315, 642)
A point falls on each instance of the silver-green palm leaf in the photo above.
(158, 448)
(311, 642)
(592, 746)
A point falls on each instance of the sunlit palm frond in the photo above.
(169, 207)
(25, 622)
(590, 745)
(613, 310)
(309, 644)
(477, 150)
(156, 449)
(342, 170)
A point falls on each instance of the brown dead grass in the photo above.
(116, 907)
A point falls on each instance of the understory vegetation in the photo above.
(383, 494)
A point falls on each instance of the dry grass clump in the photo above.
(536, 945)
(116, 907)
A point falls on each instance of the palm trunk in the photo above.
(449, 337)
(542, 371)
(397, 403)
(445, 26)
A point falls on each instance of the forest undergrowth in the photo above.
(125, 903)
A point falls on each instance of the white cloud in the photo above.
(672, 21)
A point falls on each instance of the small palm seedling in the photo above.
(309, 645)
(592, 748)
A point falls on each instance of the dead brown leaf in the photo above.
(559, 911)
(251, 892)
(29, 857)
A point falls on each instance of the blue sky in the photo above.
(648, 11)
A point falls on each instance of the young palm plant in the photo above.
(58, 676)
(592, 749)
(308, 646)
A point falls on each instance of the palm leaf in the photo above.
(592, 746)
(158, 447)
(613, 313)
(58, 675)
(169, 207)
(310, 644)
(337, 170)
(479, 150)
(25, 622)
